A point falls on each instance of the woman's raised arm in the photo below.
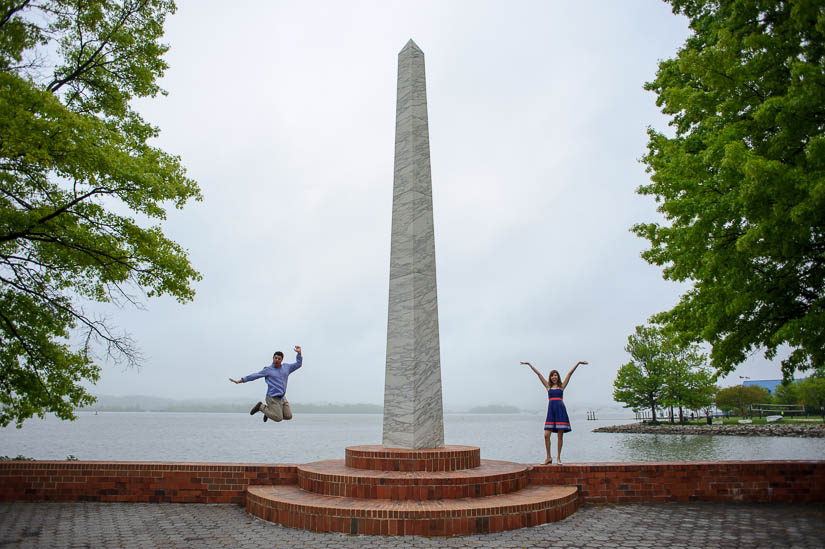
(541, 377)
(570, 373)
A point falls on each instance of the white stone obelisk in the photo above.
(413, 414)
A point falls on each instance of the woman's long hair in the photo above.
(550, 377)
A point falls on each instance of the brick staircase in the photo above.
(433, 492)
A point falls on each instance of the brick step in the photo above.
(490, 478)
(290, 506)
(446, 458)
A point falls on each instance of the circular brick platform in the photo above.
(334, 478)
(296, 508)
(378, 458)
(445, 491)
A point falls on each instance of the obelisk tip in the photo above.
(410, 45)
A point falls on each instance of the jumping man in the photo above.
(276, 374)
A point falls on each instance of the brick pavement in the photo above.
(672, 525)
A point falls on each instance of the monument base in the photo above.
(446, 458)
(445, 491)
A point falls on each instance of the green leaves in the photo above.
(812, 393)
(662, 372)
(740, 397)
(110, 53)
(73, 155)
(741, 184)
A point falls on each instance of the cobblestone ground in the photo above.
(682, 525)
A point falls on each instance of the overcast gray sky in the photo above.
(284, 114)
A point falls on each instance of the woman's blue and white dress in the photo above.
(557, 419)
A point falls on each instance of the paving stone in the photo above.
(682, 525)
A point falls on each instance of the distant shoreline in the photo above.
(241, 408)
(332, 409)
(139, 403)
(791, 430)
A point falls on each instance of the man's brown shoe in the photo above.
(255, 409)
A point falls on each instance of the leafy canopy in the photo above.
(662, 372)
(74, 156)
(812, 394)
(741, 183)
(787, 393)
(739, 397)
(639, 383)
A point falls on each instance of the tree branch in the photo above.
(12, 10)
(30, 352)
(56, 84)
(57, 212)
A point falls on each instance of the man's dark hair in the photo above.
(279, 353)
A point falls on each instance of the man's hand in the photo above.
(298, 350)
(235, 380)
(527, 363)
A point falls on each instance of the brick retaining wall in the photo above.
(740, 481)
(137, 481)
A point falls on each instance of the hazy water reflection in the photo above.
(224, 437)
(671, 448)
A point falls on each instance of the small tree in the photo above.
(812, 393)
(701, 390)
(687, 381)
(740, 397)
(639, 384)
(663, 372)
(787, 393)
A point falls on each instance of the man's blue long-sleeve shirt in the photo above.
(275, 377)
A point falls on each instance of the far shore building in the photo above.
(769, 385)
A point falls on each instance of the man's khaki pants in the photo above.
(277, 408)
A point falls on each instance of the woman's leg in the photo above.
(547, 446)
(558, 449)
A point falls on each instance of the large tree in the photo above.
(75, 162)
(740, 180)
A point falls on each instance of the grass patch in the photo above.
(804, 420)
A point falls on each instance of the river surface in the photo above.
(237, 437)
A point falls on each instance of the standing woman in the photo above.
(557, 420)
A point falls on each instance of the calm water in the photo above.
(237, 437)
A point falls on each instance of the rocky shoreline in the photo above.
(746, 430)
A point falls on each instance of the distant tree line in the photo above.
(153, 404)
(495, 409)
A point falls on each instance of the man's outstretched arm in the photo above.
(250, 377)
